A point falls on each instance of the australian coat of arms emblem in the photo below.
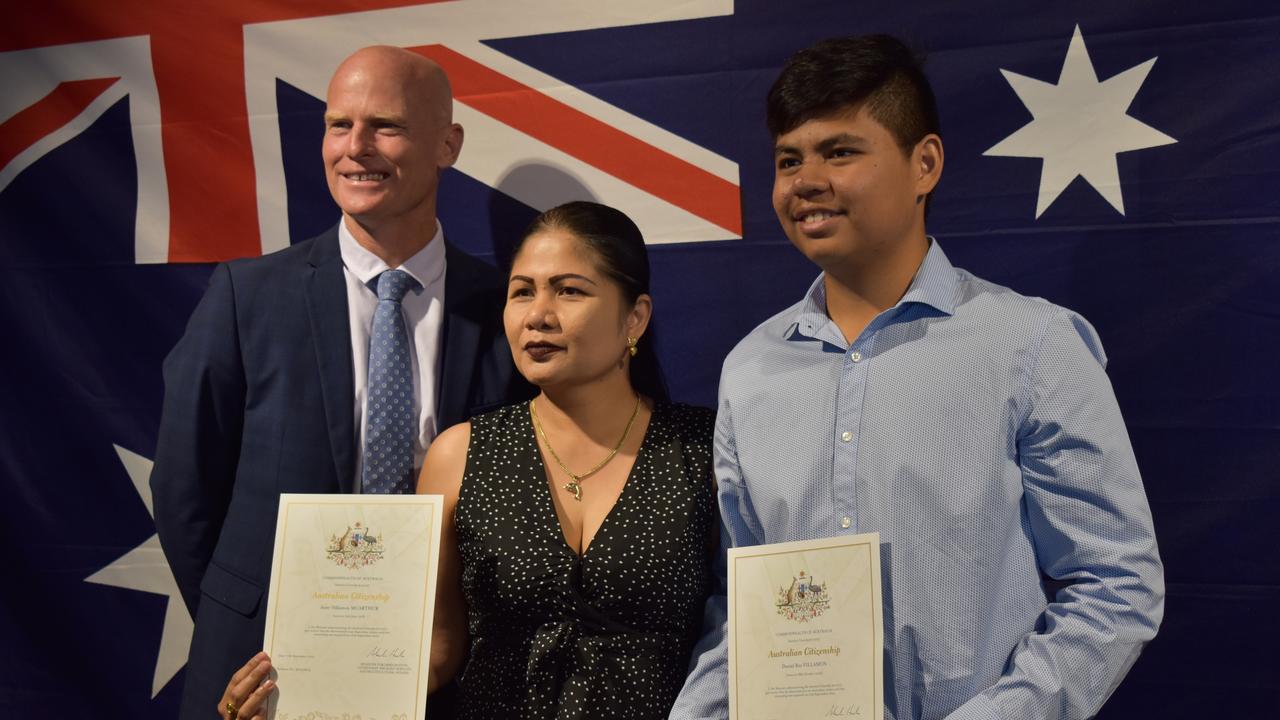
(355, 548)
(803, 600)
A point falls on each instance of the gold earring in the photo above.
(631, 346)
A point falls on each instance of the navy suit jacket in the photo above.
(259, 400)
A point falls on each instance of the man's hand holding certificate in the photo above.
(350, 607)
(805, 630)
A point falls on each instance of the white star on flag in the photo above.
(1079, 125)
(145, 568)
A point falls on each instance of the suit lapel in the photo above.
(461, 335)
(331, 329)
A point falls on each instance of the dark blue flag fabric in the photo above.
(1120, 159)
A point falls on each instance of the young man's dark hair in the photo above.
(834, 74)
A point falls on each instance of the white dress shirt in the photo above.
(423, 312)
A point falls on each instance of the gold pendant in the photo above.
(573, 487)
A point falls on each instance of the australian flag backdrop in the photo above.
(1117, 158)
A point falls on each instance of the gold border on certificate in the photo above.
(806, 630)
(351, 602)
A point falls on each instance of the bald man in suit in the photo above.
(265, 393)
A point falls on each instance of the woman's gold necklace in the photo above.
(575, 483)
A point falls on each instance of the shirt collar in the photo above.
(426, 266)
(935, 282)
(934, 285)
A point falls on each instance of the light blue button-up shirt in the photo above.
(976, 431)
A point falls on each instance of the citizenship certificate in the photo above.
(806, 630)
(353, 587)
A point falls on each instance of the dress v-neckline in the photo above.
(642, 454)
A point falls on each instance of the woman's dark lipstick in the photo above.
(541, 350)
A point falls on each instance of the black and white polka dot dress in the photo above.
(605, 635)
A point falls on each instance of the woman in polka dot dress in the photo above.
(579, 527)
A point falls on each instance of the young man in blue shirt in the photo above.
(972, 427)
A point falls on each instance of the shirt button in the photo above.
(855, 356)
(846, 436)
(845, 522)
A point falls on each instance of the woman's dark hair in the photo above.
(622, 257)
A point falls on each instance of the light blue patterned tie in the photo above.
(392, 417)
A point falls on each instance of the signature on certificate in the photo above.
(850, 710)
(381, 652)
